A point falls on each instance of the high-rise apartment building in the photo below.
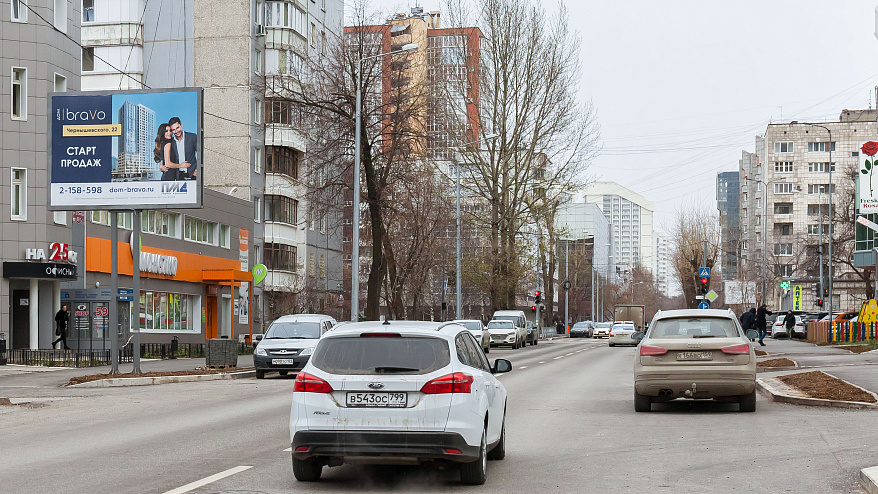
(785, 194)
(664, 268)
(728, 193)
(630, 217)
(579, 221)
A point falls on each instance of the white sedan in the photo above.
(620, 334)
(398, 392)
(778, 330)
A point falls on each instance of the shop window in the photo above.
(164, 312)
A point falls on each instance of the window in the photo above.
(783, 188)
(783, 208)
(815, 229)
(783, 249)
(124, 220)
(783, 270)
(19, 194)
(281, 111)
(257, 209)
(815, 209)
(280, 257)
(159, 223)
(88, 59)
(164, 312)
(783, 147)
(313, 35)
(322, 266)
(311, 264)
(323, 224)
(282, 160)
(60, 12)
(88, 10)
(19, 10)
(225, 234)
(783, 166)
(744, 245)
(59, 217)
(60, 83)
(258, 62)
(820, 188)
(281, 209)
(820, 167)
(323, 42)
(19, 93)
(758, 186)
(201, 231)
(257, 160)
(758, 203)
(820, 147)
(284, 14)
(758, 219)
(257, 111)
(783, 228)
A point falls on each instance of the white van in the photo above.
(518, 319)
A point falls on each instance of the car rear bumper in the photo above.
(707, 384)
(265, 363)
(383, 447)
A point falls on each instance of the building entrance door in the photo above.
(210, 326)
(21, 319)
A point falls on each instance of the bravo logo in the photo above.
(174, 187)
(81, 116)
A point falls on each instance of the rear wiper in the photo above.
(704, 336)
(394, 369)
(274, 338)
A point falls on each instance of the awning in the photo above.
(226, 275)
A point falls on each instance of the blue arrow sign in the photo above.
(703, 305)
(704, 272)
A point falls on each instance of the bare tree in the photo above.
(693, 227)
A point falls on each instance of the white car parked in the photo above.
(621, 334)
(398, 392)
(504, 333)
(778, 330)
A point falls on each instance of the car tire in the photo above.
(307, 470)
(642, 403)
(476, 472)
(612, 344)
(499, 451)
(260, 374)
(747, 403)
(536, 341)
(283, 373)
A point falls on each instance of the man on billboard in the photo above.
(186, 148)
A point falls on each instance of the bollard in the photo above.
(174, 343)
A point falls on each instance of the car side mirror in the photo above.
(637, 336)
(500, 366)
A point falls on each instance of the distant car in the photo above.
(602, 329)
(813, 317)
(620, 334)
(533, 334)
(840, 316)
(778, 330)
(696, 354)
(504, 333)
(401, 392)
(288, 343)
(518, 319)
(479, 331)
(582, 329)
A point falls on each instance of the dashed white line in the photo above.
(207, 480)
(559, 356)
(541, 362)
(569, 354)
(523, 367)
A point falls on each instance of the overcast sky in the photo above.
(682, 87)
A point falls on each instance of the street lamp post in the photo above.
(457, 198)
(355, 247)
(829, 260)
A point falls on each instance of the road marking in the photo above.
(523, 367)
(541, 362)
(208, 480)
(559, 356)
(571, 353)
(288, 450)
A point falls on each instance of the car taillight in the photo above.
(306, 383)
(647, 351)
(457, 382)
(742, 349)
(611, 334)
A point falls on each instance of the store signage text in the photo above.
(58, 252)
(158, 264)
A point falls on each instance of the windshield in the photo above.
(580, 325)
(293, 330)
(363, 356)
(500, 325)
(694, 327)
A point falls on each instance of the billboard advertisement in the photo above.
(125, 149)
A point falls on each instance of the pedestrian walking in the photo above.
(559, 329)
(790, 322)
(761, 322)
(748, 321)
(61, 319)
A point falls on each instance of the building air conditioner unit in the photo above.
(260, 30)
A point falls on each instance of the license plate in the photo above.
(695, 356)
(377, 400)
(283, 361)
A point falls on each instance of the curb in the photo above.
(869, 479)
(116, 382)
(777, 391)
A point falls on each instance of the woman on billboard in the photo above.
(164, 155)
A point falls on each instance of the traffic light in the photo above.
(704, 282)
(538, 297)
(533, 308)
(819, 302)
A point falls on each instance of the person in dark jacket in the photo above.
(790, 322)
(761, 322)
(748, 321)
(61, 319)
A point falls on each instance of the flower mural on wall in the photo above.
(869, 149)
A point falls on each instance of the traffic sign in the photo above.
(567, 285)
(704, 272)
(711, 295)
(703, 305)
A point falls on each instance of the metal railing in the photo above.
(63, 358)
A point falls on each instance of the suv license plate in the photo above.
(377, 400)
(695, 356)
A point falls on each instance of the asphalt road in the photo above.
(571, 427)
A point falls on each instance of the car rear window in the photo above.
(362, 356)
(697, 327)
(293, 330)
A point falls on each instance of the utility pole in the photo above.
(566, 286)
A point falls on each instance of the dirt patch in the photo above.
(760, 353)
(195, 372)
(858, 348)
(817, 384)
(776, 362)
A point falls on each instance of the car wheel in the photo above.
(306, 470)
(536, 341)
(612, 344)
(499, 451)
(260, 374)
(642, 403)
(283, 373)
(747, 402)
(476, 472)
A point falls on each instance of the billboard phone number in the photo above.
(80, 190)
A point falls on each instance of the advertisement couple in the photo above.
(176, 151)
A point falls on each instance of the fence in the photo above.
(842, 332)
(96, 358)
